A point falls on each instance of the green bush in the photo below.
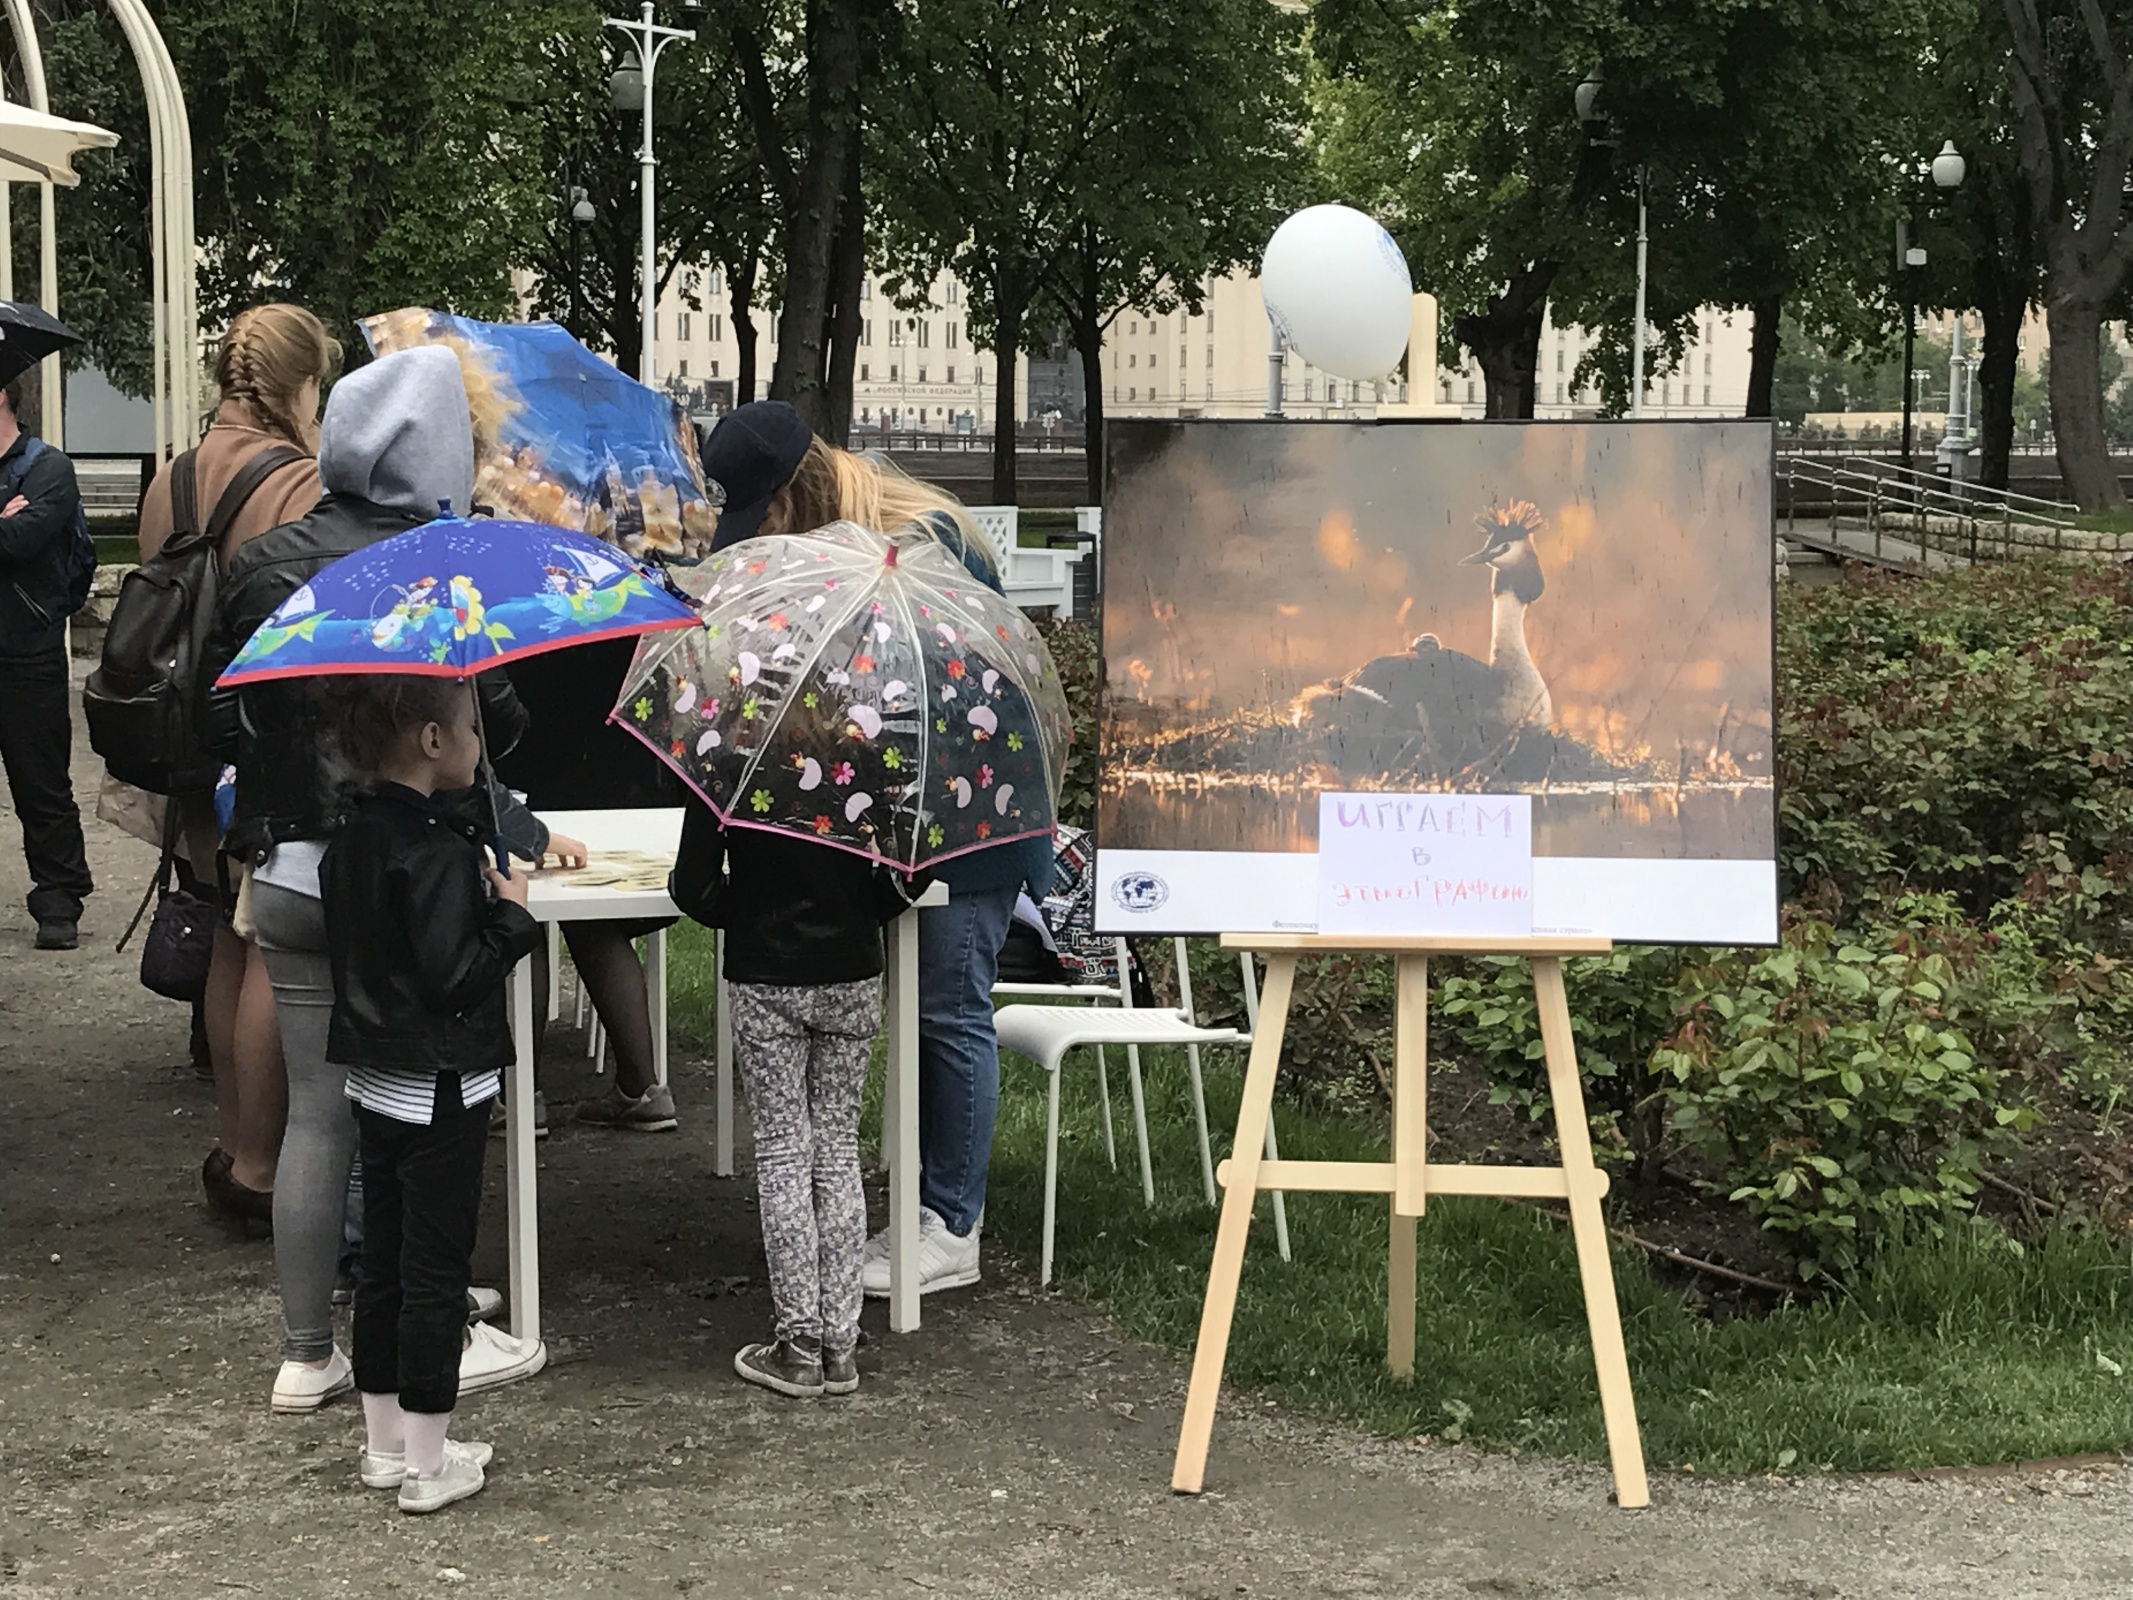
(1967, 732)
(1834, 1085)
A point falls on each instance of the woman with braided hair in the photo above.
(269, 370)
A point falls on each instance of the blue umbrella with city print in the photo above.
(860, 689)
(454, 597)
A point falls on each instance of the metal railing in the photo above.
(1900, 514)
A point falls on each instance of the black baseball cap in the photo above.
(750, 456)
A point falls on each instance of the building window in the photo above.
(892, 374)
(1707, 365)
(978, 377)
(716, 283)
(1210, 357)
(1666, 394)
(681, 326)
(714, 369)
(866, 330)
(953, 289)
(1181, 358)
(866, 288)
(718, 328)
(896, 330)
(1470, 390)
(1707, 394)
(950, 378)
(681, 369)
(921, 374)
(1133, 361)
(1210, 391)
(1133, 394)
(1558, 358)
(1133, 327)
(1307, 388)
(924, 328)
(1558, 394)
(952, 334)
(862, 372)
(1151, 358)
(1114, 394)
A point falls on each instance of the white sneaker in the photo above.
(462, 1476)
(482, 1304)
(944, 1261)
(299, 1388)
(383, 1469)
(492, 1358)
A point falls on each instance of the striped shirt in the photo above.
(409, 1096)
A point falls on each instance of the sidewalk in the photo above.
(1017, 1446)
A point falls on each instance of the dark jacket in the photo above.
(573, 758)
(796, 914)
(36, 548)
(293, 780)
(420, 951)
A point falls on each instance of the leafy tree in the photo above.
(985, 152)
(2072, 89)
(1454, 128)
(809, 147)
(357, 155)
(1188, 183)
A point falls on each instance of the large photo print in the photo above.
(1580, 612)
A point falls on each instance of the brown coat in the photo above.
(234, 439)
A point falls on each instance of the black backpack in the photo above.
(81, 549)
(142, 701)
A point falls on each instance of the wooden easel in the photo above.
(1411, 1177)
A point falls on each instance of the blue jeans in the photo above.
(958, 1052)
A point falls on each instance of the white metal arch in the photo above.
(174, 248)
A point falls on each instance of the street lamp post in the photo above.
(1947, 171)
(632, 90)
(1587, 102)
(581, 213)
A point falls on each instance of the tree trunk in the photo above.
(1763, 355)
(2077, 403)
(1012, 305)
(741, 302)
(1504, 339)
(2003, 299)
(849, 276)
(811, 225)
(627, 323)
(1086, 324)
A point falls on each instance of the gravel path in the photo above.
(1017, 1446)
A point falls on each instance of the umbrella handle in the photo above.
(503, 857)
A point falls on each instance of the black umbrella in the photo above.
(27, 335)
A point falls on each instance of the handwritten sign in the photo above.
(1425, 863)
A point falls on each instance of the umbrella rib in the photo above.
(925, 732)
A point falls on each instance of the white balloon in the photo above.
(1338, 288)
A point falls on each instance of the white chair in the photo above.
(1001, 526)
(1045, 1033)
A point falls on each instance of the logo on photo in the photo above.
(1139, 891)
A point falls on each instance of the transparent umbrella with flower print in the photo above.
(857, 688)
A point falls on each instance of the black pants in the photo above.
(421, 1207)
(36, 743)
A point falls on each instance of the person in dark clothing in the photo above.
(573, 759)
(36, 730)
(422, 934)
(803, 974)
(396, 440)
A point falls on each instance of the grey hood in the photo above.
(398, 433)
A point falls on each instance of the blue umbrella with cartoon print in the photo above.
(860, 689)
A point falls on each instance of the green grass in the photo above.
(1964, 1351)
(2106, 521)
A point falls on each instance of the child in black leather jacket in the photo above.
(422, 935)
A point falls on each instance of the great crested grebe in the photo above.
(1439, 710)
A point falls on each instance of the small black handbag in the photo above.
(181, 935)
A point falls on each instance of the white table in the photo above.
(553, 898)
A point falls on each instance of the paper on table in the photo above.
(1425, 863)
(615, 869)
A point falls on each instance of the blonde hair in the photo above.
(265, 360)
(833, 485)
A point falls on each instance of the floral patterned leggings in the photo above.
(803, 1054)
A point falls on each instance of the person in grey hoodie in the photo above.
(396, 447)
